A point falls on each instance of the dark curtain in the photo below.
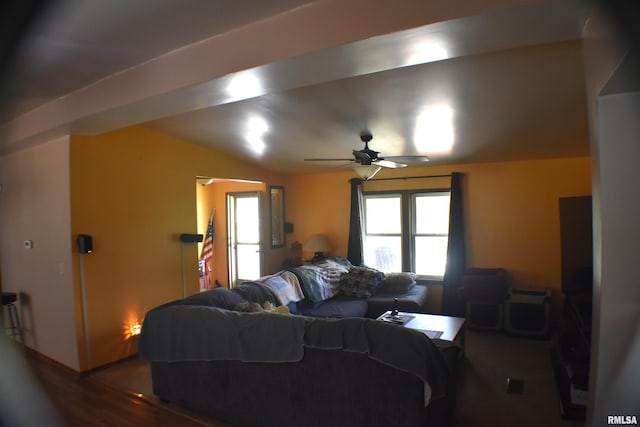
(456, 258)
(354, 250)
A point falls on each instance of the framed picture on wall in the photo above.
(276, 210)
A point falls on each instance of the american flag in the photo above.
(207, 246)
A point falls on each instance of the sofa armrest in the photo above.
(413, 301)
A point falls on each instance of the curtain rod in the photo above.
(409, 177)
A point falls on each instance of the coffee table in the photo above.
(446, 328)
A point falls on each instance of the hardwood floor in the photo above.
(83, 401)
(101, 399)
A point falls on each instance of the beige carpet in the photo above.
(482, 398)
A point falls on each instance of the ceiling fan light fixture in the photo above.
(366, 172)
(203, 180)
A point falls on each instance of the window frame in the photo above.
(380, 195)
(408, 225)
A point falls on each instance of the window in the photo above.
(407, 231)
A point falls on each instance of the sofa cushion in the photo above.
(218, 297)
(254, 292)
(397, 283)
(339, 306)
(360, 282)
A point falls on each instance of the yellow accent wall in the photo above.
(319, 204)
(133, 191)
(511, 212)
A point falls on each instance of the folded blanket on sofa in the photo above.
(183, 333)
(320, 281)
(284, 285)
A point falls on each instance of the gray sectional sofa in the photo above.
(272, 369)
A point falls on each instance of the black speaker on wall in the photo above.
(288, 227)
(85, 244)
(190, 238)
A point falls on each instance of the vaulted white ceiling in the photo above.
(280, 81)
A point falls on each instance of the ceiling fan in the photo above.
(369, 161)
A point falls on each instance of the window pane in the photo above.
(248, 262)
(247, 216)
(382, 215)
(430, 255)
(432, 213)
(383, 253)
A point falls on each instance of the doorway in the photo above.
(243, 227)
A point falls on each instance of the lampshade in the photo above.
(366, 171)
(317, 244)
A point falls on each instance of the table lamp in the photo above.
(318, 245)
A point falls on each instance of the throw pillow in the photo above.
(360, 282)
(396, 283)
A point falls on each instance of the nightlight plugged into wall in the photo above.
(135, 329)
(131, 329)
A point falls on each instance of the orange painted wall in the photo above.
(511, 211)
(319, 204)
(133, 191)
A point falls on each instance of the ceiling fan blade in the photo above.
(329, 160)
(408, 159)
(390, 164)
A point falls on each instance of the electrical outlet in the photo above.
(28, 244)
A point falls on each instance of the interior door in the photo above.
(244, 219)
